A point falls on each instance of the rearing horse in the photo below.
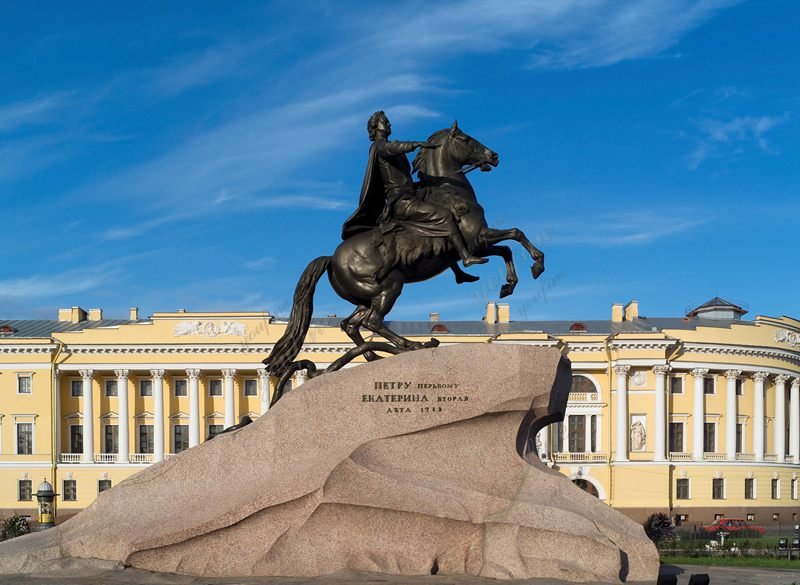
(370, 268)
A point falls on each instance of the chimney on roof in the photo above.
(434, 316)
(617, 313)
(95, 315)
(72, 315)
(491, 313)
(134, 314)
(632, 311)
(503, 313)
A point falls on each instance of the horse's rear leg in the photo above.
(352, 327)
(381, 304)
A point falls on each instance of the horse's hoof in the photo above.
(537, 269)
(506, 290)
(432, 343)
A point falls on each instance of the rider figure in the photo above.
(399, 193)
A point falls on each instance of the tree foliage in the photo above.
(14, 526)
(658, 527)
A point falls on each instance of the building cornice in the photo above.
(27, 347)
(792, 357)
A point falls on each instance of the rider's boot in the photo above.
(467, 259)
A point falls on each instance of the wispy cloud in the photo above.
(195, 70)
(722, 138)
(627, 228)
(33, 112)
(556, 35)
(260, 263)
(54, 285)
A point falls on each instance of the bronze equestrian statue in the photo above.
(402, 232)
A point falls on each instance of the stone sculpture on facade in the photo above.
(402, 232)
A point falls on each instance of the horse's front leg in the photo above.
(511, 272)
(492, 236)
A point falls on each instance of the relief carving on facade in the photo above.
(210, 328)
(786, 336)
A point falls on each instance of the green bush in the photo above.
(14, 526)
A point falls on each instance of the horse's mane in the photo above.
(420, 164)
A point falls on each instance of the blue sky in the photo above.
(198, 155)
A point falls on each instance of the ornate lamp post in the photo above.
(46, 495)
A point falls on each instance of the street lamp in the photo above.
(46, 495)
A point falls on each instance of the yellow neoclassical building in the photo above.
(696, 415)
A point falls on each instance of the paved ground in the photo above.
(79, 575)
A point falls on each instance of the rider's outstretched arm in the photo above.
(392, 147)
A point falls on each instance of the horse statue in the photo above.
(370, 268)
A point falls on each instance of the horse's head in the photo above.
(456, 150)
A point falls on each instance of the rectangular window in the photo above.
(718, 488)
(676, 385)
(180, 436)
(739, 438)
(776, 489)
(710, 437)
(214, 430)
(708, 385)
(558, 437)
(215, 387)
(76, 387)
(577, 434)
(70, 490)
(739, 387)
(111, 439)
(676, 437)
(25, 438)
(181, 388)
(593, 433)
(749, 488)
(25, 490)
(682, 489)
(145, 387)
(75, 438)
(103, 485)
(24, 385)
(146, 439)
(250, 388)
(111, 388)
(794, 489)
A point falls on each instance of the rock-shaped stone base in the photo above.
(408, 465)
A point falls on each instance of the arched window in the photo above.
(586, 486)
(582, 384)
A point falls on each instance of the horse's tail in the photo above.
(288, 346)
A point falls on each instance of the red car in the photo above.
(732, 526)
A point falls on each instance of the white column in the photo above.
(300, 376)
(158, 415)
(57, 414)
(731, 414)
(660, 443)
(194, 407)
(123, 446)
(758, 415)
(621, 453)
(543, 437)
(779, 437)
(263, 382)
(230, 403)
(699, 413)
(794, 420)
(88, 417)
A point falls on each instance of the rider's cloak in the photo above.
(371, 202)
